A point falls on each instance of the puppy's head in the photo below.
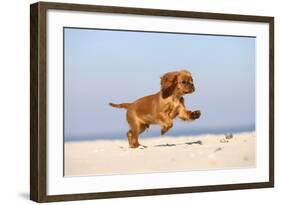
(177, 83)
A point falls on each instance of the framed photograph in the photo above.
(134, 102)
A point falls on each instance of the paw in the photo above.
(142, 146)
(195, 114)
(166, 128)
(163, 131)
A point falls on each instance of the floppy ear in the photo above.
(168, 83)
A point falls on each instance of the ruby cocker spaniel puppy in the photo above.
(160, 108)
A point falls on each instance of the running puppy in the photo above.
(160, 108)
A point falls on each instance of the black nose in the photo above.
(191, 86)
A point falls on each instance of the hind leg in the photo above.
(143, 127)
(132, 138)
(133, 133)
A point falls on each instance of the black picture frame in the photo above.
(38, 100)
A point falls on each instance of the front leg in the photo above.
(189, 115)
(165, 121)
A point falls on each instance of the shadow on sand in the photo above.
(198, 142)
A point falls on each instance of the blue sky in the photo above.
(103, 66)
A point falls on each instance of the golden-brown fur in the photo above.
(160, 108)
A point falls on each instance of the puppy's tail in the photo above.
(122, 105)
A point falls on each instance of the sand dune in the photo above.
(163, 154)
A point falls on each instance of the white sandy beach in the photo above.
(163, 154)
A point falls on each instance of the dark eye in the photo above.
(184, 82)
